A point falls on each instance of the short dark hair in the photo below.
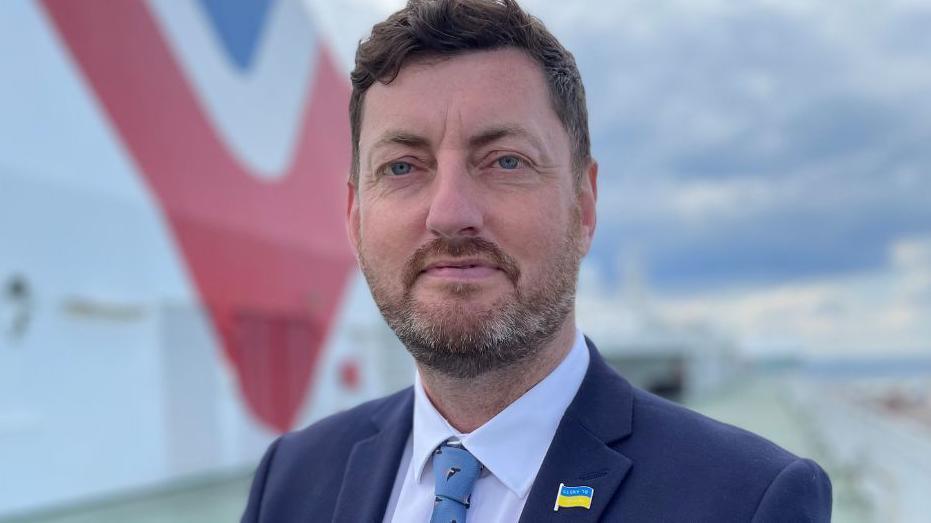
(450, 27)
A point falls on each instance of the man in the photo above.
(471, 202)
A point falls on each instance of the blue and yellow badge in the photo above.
(573, 497)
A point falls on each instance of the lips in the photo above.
(457, 259)
(459, 264)
(460, 269)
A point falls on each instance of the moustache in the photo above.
(457, 248)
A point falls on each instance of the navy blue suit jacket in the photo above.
(647, 459)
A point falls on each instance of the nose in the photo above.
(455, 206)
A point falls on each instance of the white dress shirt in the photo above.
(511, 446)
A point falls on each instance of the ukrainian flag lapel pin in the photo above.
(573, 497)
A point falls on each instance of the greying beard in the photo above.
(461, 343)
(493, 339)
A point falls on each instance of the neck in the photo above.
(469, 403)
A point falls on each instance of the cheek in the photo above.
(376, 242)
(386, 238)
(534, 231)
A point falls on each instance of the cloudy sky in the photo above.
(767, 164)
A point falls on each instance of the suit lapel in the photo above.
(373, 465)
(580, 454)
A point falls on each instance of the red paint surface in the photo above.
(349, 375)
(269, 258)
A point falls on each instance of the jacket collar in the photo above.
(373, 462)
(603, 391)
(581, 452)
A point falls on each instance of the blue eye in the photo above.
(508, 162)
(399, 168)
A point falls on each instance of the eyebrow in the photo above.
(493, 134)
(399, 137)
(496, 133)
(483, 138)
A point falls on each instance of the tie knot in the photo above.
(454, 473)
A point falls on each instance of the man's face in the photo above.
(467, 219)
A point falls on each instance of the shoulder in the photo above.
(710, 463)
(657, 421)
(321, 449)
(299, 469)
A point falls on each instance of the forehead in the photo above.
(450, 97)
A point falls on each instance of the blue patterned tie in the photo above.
(454, 475)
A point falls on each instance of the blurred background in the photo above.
(176, 288)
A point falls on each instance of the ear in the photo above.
(352, 216)
(588, 196)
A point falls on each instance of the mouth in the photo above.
(461, 269)
(460, 262)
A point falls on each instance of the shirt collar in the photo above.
(511, 445)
